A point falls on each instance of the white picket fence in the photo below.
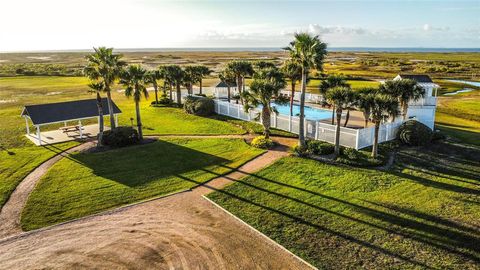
(349, 137)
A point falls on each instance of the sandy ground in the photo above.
(182, 231)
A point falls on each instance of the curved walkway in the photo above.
(181, 231)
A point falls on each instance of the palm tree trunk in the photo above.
(228, 93)
(239, 88)
(365, 116)
(139, 120)
(333, 114)
(301, 127)
(337, 133)
(375, 140)
(179, 95)
(155, 86)
(291, 98)
(110, 108)
(201, 86)
(100, 120)
(266, 121)
(347, 117)
(404, 110)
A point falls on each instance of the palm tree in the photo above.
(405, 90)
(202, 71)
(135, 81)
(97, 87)
(329, 83)
(383, 107)
(104, 66)
(190, 77)
(365, 102)
(261, 64)
(152, 76)
(240, 69)
(175, 76)
(229, 79)
(308, 52)
(340, 97)
(293, 72)
(266, 85)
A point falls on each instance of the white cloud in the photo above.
(343, 30)
(427, 27)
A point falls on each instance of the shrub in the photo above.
(351, 153)
(320, 148)
(120, 136)
(300, 151)
(414, 133)
(438, 135)
(262, 142)
(201, 106)
(163, 100)
(201, 95)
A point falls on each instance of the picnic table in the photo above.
(70, 128)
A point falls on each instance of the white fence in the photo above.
(349, 137)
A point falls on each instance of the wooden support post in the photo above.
(289, 123)
(116, 120)
(27, 125)
(38, 135)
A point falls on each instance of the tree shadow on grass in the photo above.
(138, 165)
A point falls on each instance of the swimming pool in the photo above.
(310, 112)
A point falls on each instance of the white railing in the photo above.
(349, 137)
(426, 101)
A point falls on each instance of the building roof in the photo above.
(223, 84)
(418, 78)
(66, 111)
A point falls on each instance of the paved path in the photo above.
(182, 231)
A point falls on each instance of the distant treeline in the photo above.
(31, 69)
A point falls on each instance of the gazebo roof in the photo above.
(66, 111)
(223, 84)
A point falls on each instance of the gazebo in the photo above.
(221, 89)
(63, 112)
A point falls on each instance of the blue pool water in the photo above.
(310, 112)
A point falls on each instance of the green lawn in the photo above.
(459, 117)
(425, 213)
(16, 163)
(88, 183)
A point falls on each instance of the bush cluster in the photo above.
(414, 133)
(262, 142)
(319, 148)
(201, 106)
(162, 100)
(120, 137)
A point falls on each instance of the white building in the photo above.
(423, 110)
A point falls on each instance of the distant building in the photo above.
(423, 110)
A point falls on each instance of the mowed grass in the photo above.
(16, 163)
(425, 213)
(459, 116)
(87, 183)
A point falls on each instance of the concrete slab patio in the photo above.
(59, 136)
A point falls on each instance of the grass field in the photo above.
(87, 183)
(425, 213)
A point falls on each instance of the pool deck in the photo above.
(355, 121)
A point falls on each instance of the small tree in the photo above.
(134, 79)
(240, 69)
(152, 76)
(330, 82)
(97, 87)
(228, 78)
(339, 97)
(383, 107)
(292, 71)
(266, 86)
(365, 102)
(405, 90)
(190, 76)
(175, 76)
(104, 66)
(202, 71)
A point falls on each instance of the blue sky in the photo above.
(80, 24)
